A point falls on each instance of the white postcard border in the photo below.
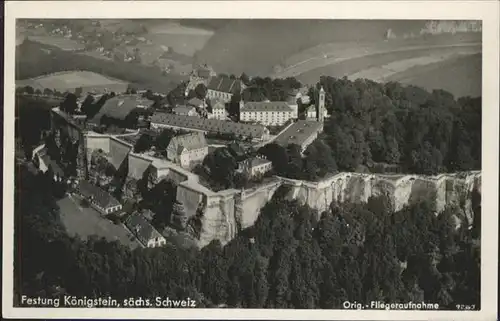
(487, 11)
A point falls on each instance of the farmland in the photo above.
(34, 60)
(339, 67)
(461, 76)
(70, 80)
(59, 42)
(184, 40)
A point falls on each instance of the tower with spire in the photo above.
(321, 105)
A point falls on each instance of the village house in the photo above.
(146, 234)
(213, 126)
(223, 88)
(187, 149)
(255, 166)
(98, 198)
(267, 113)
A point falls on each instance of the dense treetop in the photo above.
(390, 127)
(293, 257)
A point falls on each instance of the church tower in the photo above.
(321, 105)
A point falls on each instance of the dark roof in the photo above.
(144, 231)
(120, 107)
(266, 106)
(209, 125)
(298, 133)
(188, 141)
(224, 84)
(100, 196)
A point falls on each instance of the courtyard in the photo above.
(85, 221)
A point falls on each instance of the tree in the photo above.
(221, 168)
(87, 105)
(163, 139)
(179, 218)
(200, 91)
(69, 104)
(234, 106)
(143, 144)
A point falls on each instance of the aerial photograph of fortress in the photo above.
(281, 164)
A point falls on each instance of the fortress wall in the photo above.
(137, 165)
(118, 152)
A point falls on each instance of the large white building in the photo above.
(218, 110)
(187, 149)
(274, 113)
(304, 132)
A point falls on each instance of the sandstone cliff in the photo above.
(228, 212)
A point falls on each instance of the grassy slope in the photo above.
(355, 65)
(460, 76)
(269, 42)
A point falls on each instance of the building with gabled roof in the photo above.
(254, 166)
(223, 88)
(187, 149)
(119, 107)
(213, 126)
(99, 199)
(268, 113)
(302, 133)
(146, 234)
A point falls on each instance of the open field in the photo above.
(460, 76)
(347, 67)
(176, 28)
(381, 73)
(84, 222)
(59, 42)
(347, 62)
(69, 80)
(355, 49)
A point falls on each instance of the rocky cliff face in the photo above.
(225, 214)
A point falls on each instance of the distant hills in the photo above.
(267, 47)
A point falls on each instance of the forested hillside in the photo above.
(385, 127)
(291, 258)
